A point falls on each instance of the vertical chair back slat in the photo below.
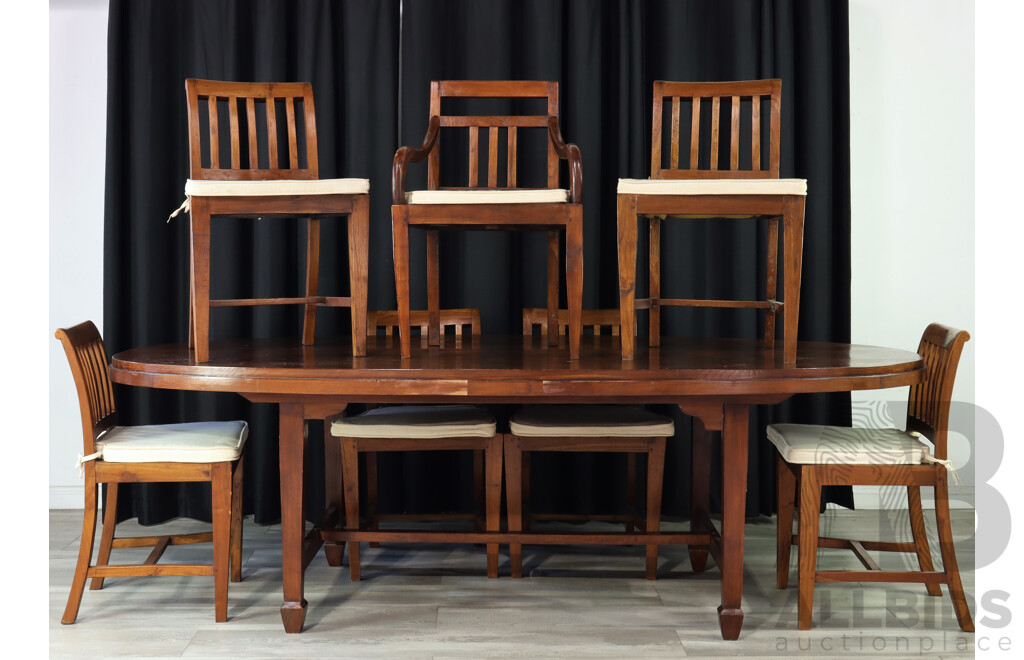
(510, 172)
(450, 318)
(236, 151)
(707, 137)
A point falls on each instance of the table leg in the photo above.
(200, 215)
(700, 490)
(400, 244)
(793, 250)
(358, 269)
(627, 231)
(293, 527)
(574, 278)
(734, 496)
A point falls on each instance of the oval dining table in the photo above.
(713, 380)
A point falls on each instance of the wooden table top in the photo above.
(515, 369)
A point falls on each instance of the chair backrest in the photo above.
(596, 319)
(928, 405)
(479, 89)
(271, 130)
(758, 100)
(450, 318)
(88, 359)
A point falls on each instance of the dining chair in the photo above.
(584, 428)
(482, 204)
(421, 428)
(811, 456)
(253, 153)
(114, 454)
(711, 180)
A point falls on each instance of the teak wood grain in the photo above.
(555, 218)
(656, 207)
(715, 380)
(266, 162)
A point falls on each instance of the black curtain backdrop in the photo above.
(370, 63)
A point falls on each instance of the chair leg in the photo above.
(400, 247)
(221, 487)
(514, 499)
(350, 475)
(84, 549)
(654, 281)
(810, 501)
(107, 536)
(700, 490)
(956, 588)
(785, 485)
(333, 485)
(771, 290)
(372, 493)
(524, 471)
(631, 490)
(924, 555)
(236, 519)
(655, 474)
(200, 225)
(312, 277)
(358, 265)
(479, 488)
(626, 232)
(574, 278)
(492, 458)
(552, 288)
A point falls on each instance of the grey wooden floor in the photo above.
(435, 602)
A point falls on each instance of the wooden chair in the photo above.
(262, 167)
(700, 188)
(420, 428)
(202, 451)
(579, 428)
(488, 206)
(814, 456)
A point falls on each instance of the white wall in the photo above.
(912, 120)
(78, 93)
(912, 181)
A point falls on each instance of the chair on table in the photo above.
(261, 167)
(200, 451)
(585, 428)
(421, 428)
(486, 206)
(699, 188)
(814, 456)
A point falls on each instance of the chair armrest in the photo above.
(571, 153)
(406, 155)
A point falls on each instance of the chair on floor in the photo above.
(700, 188)
(482, 205)
(265, 165)
(421, 428)
(585, 428)
(813, 456)
(199, 451)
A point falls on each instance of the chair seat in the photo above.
(811, 444)
(418, 422)
(589, 421)
(517, 196)
(192, 442)
(713, 186)
(269, 187)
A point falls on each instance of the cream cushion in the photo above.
(811, 444)
(418, 422)
(589, 421)
(192, 442)
(207, 188)
(518, 196)
(713, 186)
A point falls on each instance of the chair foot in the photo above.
(698, 558)
(730, 621)
(334, 553)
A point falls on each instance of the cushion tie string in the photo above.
(946, 463)
(186, 206)
(82, 459)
